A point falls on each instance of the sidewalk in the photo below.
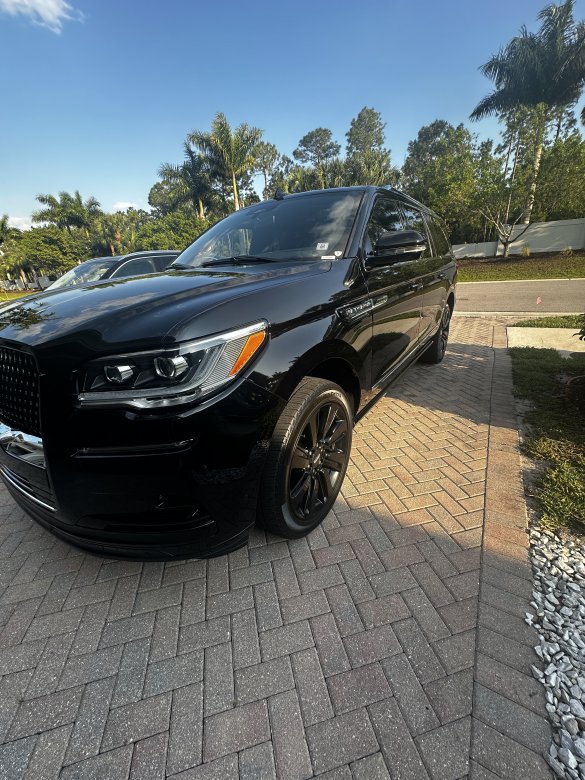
(565, 340)
(389, 644)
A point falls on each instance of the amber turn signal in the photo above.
(252, 345)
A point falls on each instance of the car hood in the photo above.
(139, 310)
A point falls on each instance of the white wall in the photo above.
(485, 249)
(540, 237)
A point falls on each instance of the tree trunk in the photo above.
(235, 186)
(538, 146)
(201, 212)
(559, 125)
(512, 178)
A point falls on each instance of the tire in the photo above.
(438, 346)
(307, 459)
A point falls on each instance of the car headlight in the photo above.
(170, 377)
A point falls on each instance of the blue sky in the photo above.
(98, 93)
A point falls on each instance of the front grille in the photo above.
(19, 391)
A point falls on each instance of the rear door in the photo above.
(437, 282)
(395, 291)
(431, 268)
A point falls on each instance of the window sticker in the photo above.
(328, 257)
(322, 246)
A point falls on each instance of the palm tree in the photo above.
(68, 211)
(541, 71)
(54, 211)
(229, 153)
(82, 214)
(107, 237)
(372, 166)
(191, 179)
(5, 230)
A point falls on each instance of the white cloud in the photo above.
(22, 223)
(122, 205)
(47, 13)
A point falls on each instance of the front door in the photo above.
(395, 291)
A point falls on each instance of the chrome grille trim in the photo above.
(17, 485)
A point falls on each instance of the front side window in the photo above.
(386, 217)
(305, 227)
(414, 220)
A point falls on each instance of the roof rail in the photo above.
(388, 187)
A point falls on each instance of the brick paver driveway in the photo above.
(357, 652)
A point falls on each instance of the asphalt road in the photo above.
(544, 295)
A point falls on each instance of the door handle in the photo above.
(441, 275)
(415, 286)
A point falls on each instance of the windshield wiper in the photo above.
(180, 266)
(237, 259)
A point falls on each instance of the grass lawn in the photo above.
(539, 267)
(556, 435)
(12, 296)
(576, 321)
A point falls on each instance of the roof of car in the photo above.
(107, 258)
(150, 253)
(358, 188)
(146, 253)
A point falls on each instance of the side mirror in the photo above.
(401, 245)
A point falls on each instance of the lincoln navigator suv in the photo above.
(164, 415)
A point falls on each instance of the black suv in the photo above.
(164, 415)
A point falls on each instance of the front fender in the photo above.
(287, 361)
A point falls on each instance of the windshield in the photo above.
(86, 272)
(306, 227)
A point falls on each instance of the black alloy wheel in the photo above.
(318, 460)
(444, 330)
(307, 458)
(438, 346)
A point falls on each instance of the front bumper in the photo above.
(181, 486)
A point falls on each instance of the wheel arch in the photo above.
(341, 372)
(335, 361)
